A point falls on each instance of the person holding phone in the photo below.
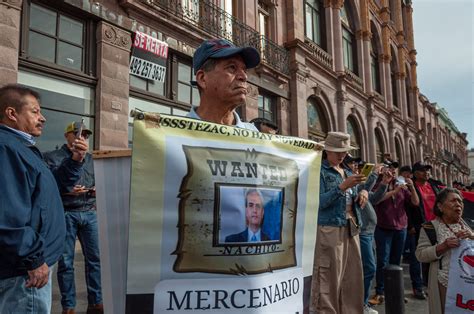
(391, 229)
(81, 222)
(337, 285)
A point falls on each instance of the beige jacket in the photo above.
(426, 253)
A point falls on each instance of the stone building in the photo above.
(326, 65)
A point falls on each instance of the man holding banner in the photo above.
(221, 78)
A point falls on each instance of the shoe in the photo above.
(376, 299)
(68, 311)
(419, 294)
(369, 310)
(95, 309)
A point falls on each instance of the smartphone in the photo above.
(79, 132)
(400, 181)
(367, 169)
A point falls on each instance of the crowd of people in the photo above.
(402, 204)
(364, 223)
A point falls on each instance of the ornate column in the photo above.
(386, 53)
(250, 109)
(113, 51)
(294, 18)
(402, 94)
(329, 29)
(391, 135)
(299, 74)
(372, 157)
(10, 17)
(341, 95)
(419, 146)
(337, 36)
(283, 108)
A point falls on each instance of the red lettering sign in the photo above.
(468, 305)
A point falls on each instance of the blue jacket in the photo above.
(82, 202)
(32, 227)
(332, 201)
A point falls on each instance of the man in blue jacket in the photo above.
(32, 226)
(81, 222)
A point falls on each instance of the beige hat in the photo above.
(338, 142)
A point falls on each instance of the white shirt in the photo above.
(250, 234)
(238, 123)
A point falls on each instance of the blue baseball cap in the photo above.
(222, 48)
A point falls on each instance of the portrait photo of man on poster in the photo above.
(249, 214)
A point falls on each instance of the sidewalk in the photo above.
(414, 306)
(81, 292)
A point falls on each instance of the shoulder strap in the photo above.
(430, 231)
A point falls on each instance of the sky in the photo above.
(444, 41)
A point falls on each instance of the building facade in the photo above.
(326, 65)
(470, 156)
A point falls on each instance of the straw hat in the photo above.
(338, 142)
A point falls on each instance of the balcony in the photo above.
(220, 24)
(319, 54)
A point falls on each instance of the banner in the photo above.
(222, 219)
(460, 293)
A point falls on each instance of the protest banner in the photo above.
(460, 293)
(194, 189)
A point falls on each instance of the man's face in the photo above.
(406, 174)
(254, 210)
(29, 118)
(71, 137)
(354, 167)
(227, 82)
(422, 175)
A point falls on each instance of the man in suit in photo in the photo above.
(254, 212)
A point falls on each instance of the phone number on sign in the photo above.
(146, 69)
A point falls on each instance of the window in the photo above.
(56, 37)
(374, 64)
(393, 77)
(186, 92)
(61, 103)
(314, 21)
(380, 147)
(266, 107)
(398, 150)
(263, 19)
(353, 131)
(317, 125)
(148, 85)
(408, 92)
(348, 41)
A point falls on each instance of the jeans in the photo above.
(368, 262)
(16, 298)
(415, 266)
(390, 245)
(82, 224)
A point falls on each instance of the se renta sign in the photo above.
(148, 57)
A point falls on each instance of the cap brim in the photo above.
(249, 54)
(337, 149)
